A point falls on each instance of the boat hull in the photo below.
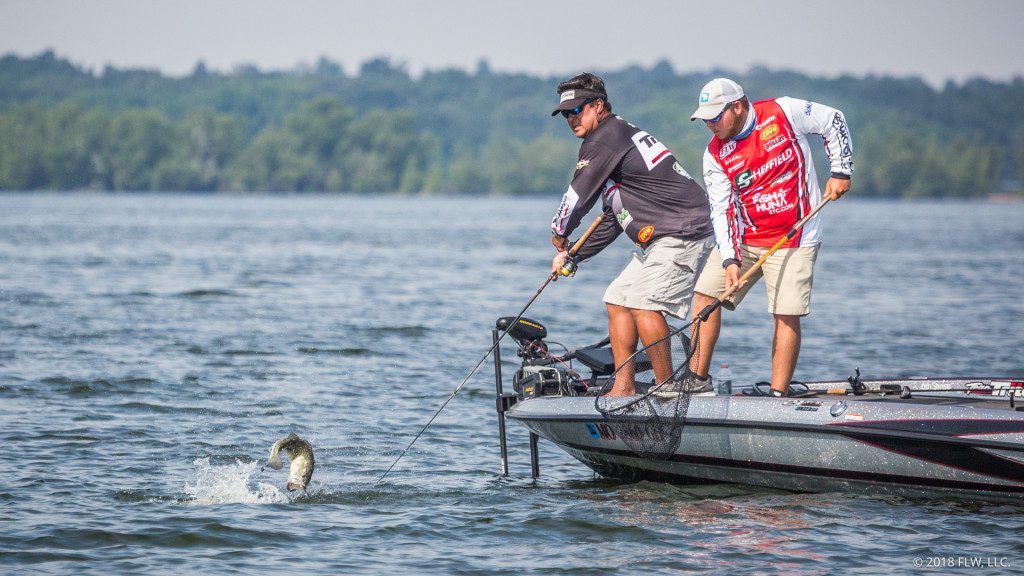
(814, 445)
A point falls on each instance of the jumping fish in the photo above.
(300, 454)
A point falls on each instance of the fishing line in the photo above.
(554, 275)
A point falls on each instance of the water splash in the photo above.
(230, 484)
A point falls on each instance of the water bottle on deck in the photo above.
(724, 379)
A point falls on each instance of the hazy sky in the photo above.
(937, 40)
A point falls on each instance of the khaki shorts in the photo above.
(661, 277)
(788, 274)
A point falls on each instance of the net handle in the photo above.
(704, 314)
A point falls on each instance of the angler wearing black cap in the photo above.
(645, 193)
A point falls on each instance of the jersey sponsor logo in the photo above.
(582, 164)
(785, 177)
(645, 233)
(773, 144)
(727, 149)
(743, 179)
(766, 122)
(680, 170)
(769, 132)
(652, 151)
(845, 151)
(770, 202)
(614, 201)
(773, 162)
(624, 218)
(807, 108)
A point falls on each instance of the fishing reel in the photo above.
(528, 334)
(569, 267)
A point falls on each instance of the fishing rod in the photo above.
(567, 269)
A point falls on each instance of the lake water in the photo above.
(153, 347)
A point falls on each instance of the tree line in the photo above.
(379, 130)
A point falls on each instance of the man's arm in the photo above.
(813, 118)
(722, 215)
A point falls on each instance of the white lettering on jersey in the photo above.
(727, 149)
(766, 122)
(650, 149)
(773, 162)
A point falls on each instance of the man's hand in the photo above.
(836, 187)
(558, 261)
(732, 277)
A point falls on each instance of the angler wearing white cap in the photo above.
(761, 182)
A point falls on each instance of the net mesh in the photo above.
(646, 399)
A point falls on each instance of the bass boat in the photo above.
(960, 437)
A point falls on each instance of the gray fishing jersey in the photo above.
(645, 192)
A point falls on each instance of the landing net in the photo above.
(651, 425)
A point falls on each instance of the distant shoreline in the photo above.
(1001, 197)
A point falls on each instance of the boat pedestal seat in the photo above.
(602, 363)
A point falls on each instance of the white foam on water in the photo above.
(230, 484)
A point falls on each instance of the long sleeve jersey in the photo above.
(762, 182)
(644, 190)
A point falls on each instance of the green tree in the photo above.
(136, 141)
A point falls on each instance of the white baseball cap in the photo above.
(714, 96)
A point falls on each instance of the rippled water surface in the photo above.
(152, 348)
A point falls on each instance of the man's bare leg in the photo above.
(785, 351)
(623, 334)
(709, 331)
(652, 327)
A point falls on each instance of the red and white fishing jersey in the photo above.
(762, 182)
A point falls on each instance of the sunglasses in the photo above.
(718, 118)
(575, 111)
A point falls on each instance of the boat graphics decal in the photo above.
(596, 456)
(963, 458)
(940, 427)
(600, 431)
(803, 405)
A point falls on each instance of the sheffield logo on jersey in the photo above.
(743, 179)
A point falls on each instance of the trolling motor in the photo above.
(536, 376)
(528, 334)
